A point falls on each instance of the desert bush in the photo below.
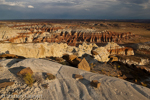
(28, 79)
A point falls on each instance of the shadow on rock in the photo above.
(4, 80)
(85, 82)
(14, 61)
(15, 70)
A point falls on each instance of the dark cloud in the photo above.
(74, 9)
(135, 1)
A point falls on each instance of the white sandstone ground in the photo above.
(65, 87)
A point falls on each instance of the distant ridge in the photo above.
(64, 20)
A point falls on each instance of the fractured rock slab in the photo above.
(84, 65)
(25, 71)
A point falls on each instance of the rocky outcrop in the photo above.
(133, 60)
(44, 33)
(31, 50)
(43, 50)
(114, 48)
(103, 54)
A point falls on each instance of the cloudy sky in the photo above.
(74, 9)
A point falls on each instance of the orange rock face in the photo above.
(123, 51)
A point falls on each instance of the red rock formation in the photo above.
(70, 38)
(123, 51)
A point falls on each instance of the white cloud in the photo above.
(21, 4)
(30, 6)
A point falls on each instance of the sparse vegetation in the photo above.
(28, 79)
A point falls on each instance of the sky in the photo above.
(74, 9)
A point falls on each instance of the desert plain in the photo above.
(74, 60)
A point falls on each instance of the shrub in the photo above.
(28, 79)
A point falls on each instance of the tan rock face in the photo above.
(31, 50)
(41, 50)
(25, 71)
(5, 84)
(84, 65)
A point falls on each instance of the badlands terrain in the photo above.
(74, 60)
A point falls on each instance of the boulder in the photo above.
(5, 84)
(77, 76)
(84, 65)
(95, 83)
(25, 71)
(72, 59)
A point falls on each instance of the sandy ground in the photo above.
(65, 87)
